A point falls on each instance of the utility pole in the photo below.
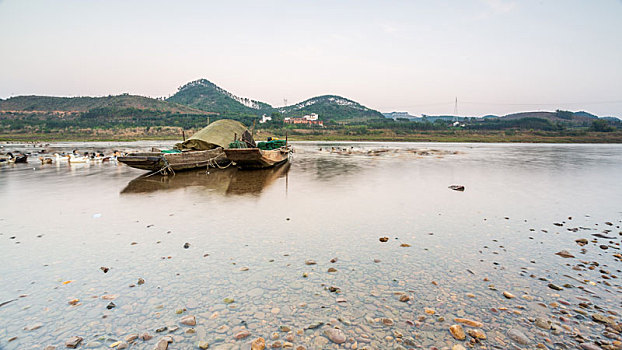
(456, 107)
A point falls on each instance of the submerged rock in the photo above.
(335, 335)
(73, 342)
(564, 254)
(258, 344)
(188, 320)
(518, 336)
(457, 332)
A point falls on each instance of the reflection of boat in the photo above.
(203, 149)
(230, 181)
(265, 155)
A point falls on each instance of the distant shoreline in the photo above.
(460, 136)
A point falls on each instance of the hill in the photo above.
(331, 107)
(41, 104)
(557, 116)
(207, 96)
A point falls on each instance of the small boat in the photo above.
(203, 149)
(267, 154)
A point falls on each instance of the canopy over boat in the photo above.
(218, 134)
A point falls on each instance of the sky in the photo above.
(416, 56)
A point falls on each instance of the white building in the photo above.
(312, 116)
(264, 118)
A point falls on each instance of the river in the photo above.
(294, 254)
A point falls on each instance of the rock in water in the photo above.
(258, 344)
(564, 254)
(477, 333)
(457, 332)
(543, 323)
(186, 245)
(111, 305)
(508, 295)
(335, 335)
(242, 334)
(188, 320)
(602, 319)
(310, 262)
(384, 239)
(457, 188)
(518, 337)
(73, 342)
(581, 241)
(163, 343)
(470, 323)
(203, 345)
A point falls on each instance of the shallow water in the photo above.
(250, 233)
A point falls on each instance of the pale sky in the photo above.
(495, 56)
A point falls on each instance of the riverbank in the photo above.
(495, 136)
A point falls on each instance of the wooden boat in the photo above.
(167, 163)
(203, 149)
(265, 155)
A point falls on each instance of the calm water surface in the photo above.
(250, 233)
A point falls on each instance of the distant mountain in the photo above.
(43, 104)
(402, 115)
(207, 96)
(557, 116)
(331, 107)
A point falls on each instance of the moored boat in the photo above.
(203, 149)
(267, 154)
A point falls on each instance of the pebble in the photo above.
(310, 262)
(564, 254)
(518, 336)
(73, 342)
(458, 347)
(242, 334)
(203, 345)
(335, 335)
(332, 269)
(477, 333)
(188, 320)
(543, 323)
(384, 239)
(508, 295)
(457, 332)
(468, 322)
(258, 344)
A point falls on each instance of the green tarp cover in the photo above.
(218, 134)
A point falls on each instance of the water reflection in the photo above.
(230, 181)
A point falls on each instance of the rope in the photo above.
(167, 168)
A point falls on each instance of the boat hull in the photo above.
(255, 158)
(164, 162)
